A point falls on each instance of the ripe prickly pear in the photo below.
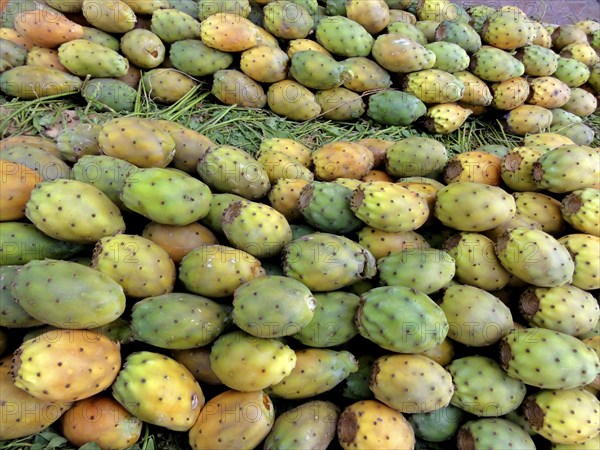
(46, 28)
(585, 251)
(247, 363)
(494, 64)
(86, 58)
(233, 87)
(23, 414)
(158, 390)
(439, 425)
(287, 19)
(229, 32)
(580, 209)
(142, 267)
(218, 429)
(493, 433)
(66, 365)
(143, 48)
(111, 16)
(411, 383)
(109, 94)
(290, 99)
(365, 74)
(371, 424)
(555, 170)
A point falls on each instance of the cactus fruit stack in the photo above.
(430, 63)
(164, 280)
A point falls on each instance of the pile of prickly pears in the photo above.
(366, 294)
(430, 62)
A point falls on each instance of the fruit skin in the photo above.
(343, 36)
(233, 87)
(446, 117)
(67, 357)
(143, 48)
(340, 104)
(355, 427)
(21, 413)
(548, 92)
(326, 206)
(88, 212)
(528, 119)
(80, 140)
(167, 86)
(426, 270)
(585, 252)
(494, 64)
(493, 433)
(35, 156)
(315, 70)
(285, 308)
(566, 308)
(535, 257)
(138, 141)
(398, 54)
(290, 99)
(46, 28)
(12, 315)
(317, 370)
(217, 31)
(45, 291)
(23, 242)
(111, 16)
(542, 208)
(327, 262)
(249, 178)
(247, 363)
(216, 271)
(411, 383)
(178, 241)
(517, 166)
(264, 63)
(434, 86)
(554, 171)
(31, 82)
(507, 29)
(105, 173)
(580, 209)
(190, 146)
(16, 182)
(178, 320)
(142, 267)
(538, 61)
(166, 196)
(391, 107)
(102, 420)
(581, 103)
(287, 20)
(476, 262)
(525, 355)
(217, 428)
(412, 312)
(365, 74)
(82, 57)
(109, 94)
(572, 72)
(550, 414)
(366, 204)
(449, 57)
(415, 156)
(483, 388)
(458, 33)
(475, 317)
(333, 320)
(437, 426)
(14, 54)
(158, 390)
(461, 206)
(311, 425)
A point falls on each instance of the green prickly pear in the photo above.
(287, 19)
(43, 290)
(233, 87)
(285, 308)
(81, 140)
(317, 370)
(580, 209)
(86, 58)
(434, 86)
(391, 107)
(195, 58)
(112, 16)
(439, 425)
(572, 72)
(167, 196)
(315, 70)
(538, 61)
(483, 388)
(178, 320)
(248, 363)
(340, 104)
(494, 64)
(23, 242)
(109, 94)
(12, 314)
(158, 390)
(419, 323)
(475, 317)
(143, 48)
(101, 37)
(554, 170)
(493, 433)
(343, 36)
(327, 262)
(73, 211)
(167, 85)
(333, 320)
(172, 25)
(531, 355)
(585, 251)
(458, 33)
(449, 57)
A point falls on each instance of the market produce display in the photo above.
(162, 288)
